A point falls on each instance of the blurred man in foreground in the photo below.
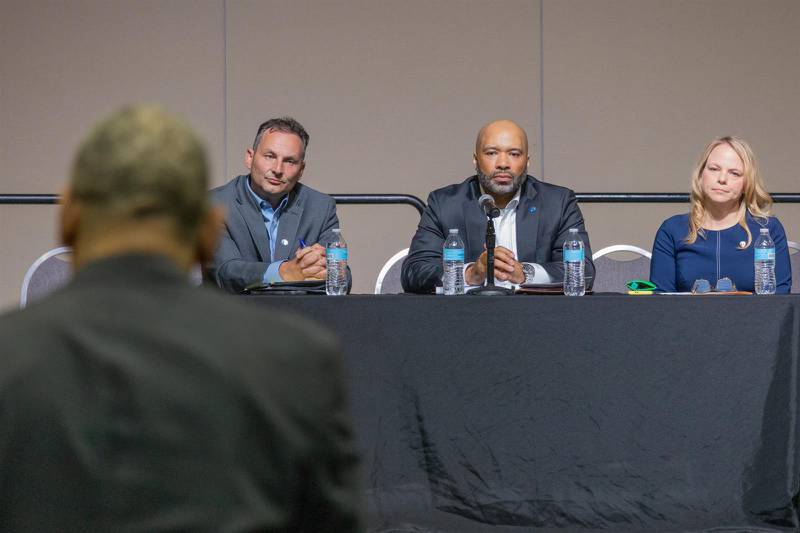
(534, 220)
(132, 401)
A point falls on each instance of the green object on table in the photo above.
(640, 285)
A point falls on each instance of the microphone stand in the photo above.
(490, 289)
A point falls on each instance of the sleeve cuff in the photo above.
(272, 274)
(464, 269)
(466, 285)
(540, 275)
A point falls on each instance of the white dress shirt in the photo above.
(505, 228)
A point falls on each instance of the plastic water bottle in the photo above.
(453, 257)
(574, 281)
(764, 250)
(336, 263)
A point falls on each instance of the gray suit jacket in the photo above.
(243, 254)
(544, 216)
(131, 401)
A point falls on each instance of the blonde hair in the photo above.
(755, 198)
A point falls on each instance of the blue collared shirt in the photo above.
(272, 219)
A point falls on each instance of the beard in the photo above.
(494, 188)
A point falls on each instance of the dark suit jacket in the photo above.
(243, 254)
(544, 216)
(131, 401)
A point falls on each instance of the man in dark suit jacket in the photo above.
(535, 219)
(132, 401)
(269, 212)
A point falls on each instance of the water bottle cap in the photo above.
(764, 230)
(454, 231)
(573, 230)
(337, 230)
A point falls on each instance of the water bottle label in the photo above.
(337, 254)
(765, 254)
(573, 255)
(454, 254)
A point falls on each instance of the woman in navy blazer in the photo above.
(715, 240)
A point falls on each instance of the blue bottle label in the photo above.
(765, 254)
(454, 254)
(337, 254)
(573, 255)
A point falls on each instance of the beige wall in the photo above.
(391, 93)
(634, 89)
(616, 95)
(63, 65)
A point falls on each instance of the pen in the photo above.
(302, 243)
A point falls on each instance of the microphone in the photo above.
(487, 203)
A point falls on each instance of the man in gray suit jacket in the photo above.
(276, 228)
(133, 401)
(534, 221)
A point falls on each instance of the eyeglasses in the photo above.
(702, 286)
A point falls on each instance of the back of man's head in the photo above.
(141, 171)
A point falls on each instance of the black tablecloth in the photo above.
(511, 414)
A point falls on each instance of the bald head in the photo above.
(502, 128)
(501, 159)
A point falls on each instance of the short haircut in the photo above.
(139, 163)
(285, 125)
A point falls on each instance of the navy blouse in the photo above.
(676, 265)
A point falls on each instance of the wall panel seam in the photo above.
(225, 88)
(541, 86)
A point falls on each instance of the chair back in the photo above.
(49, 272)
(794, 259)
(389, 276)
(614, 267)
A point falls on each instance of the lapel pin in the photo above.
(284, 242)
(531, 210)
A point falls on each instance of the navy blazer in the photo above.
(676, 265)
(243, 255)
(545, 214)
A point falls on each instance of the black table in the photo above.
(541, 413)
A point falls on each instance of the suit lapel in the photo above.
(474, 222)
(251, 215)
(287, 228)
(528, 215)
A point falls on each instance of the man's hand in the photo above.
(308, 264)
(506, 268)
